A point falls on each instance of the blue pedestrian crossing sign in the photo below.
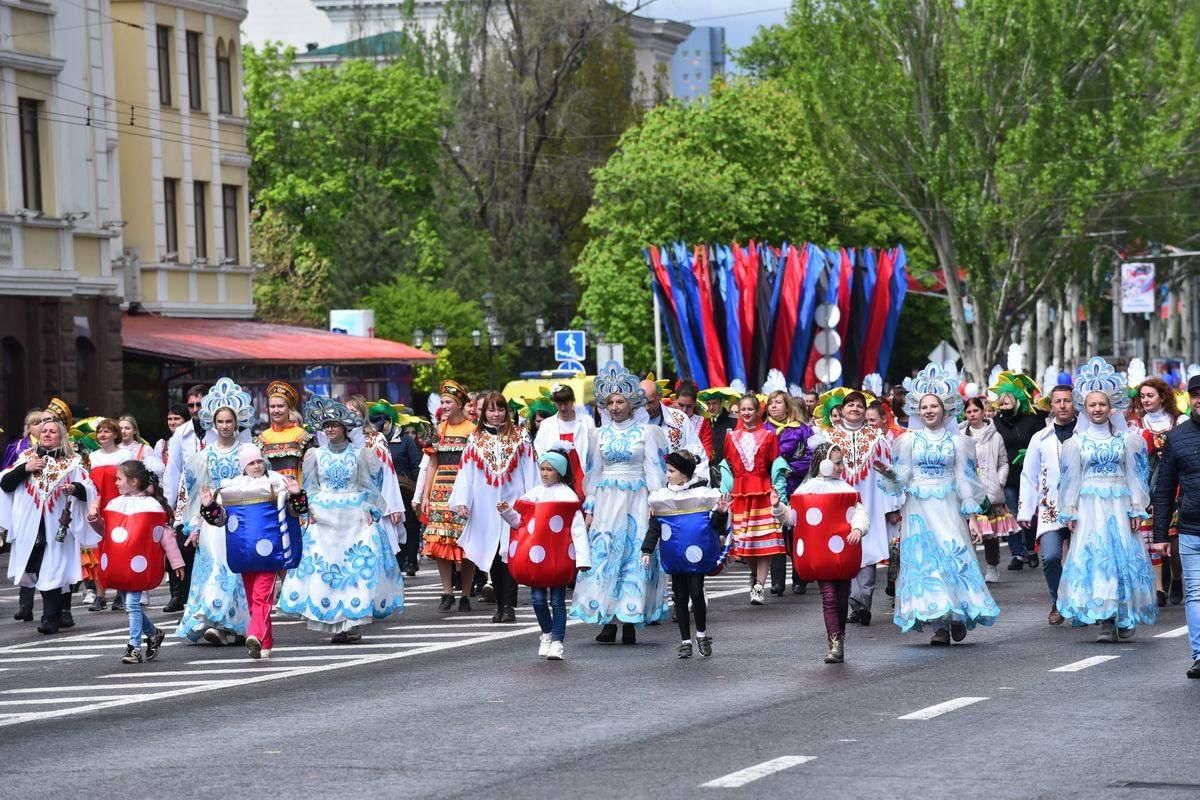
(570, 345)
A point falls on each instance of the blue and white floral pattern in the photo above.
(348, 576)
(1106, 574)
(217, 597)
(618, 588)
(940, 581)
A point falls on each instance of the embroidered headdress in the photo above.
(284, 390)
(226, 394)
(612, 379)
(58, 408)
(321, 410)
(934, 380)
(455, 390)
(1097, 375)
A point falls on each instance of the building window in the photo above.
(224, 80)
(164, 65)
(229, 213)
(193, 66)
(31, 153)
(200, 217)
(170, 218)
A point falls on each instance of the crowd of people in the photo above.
(614, 515)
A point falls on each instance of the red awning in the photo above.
(227, 341)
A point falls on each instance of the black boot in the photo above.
(51, 612)
(65, 619)
(24, 604)
(174, 604)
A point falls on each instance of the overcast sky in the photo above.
(297, 22)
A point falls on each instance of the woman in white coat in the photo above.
(498, 465)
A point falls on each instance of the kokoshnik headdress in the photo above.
(933, 380)
(1097, 375)
(226, 394)
(612, 379)
(286, 391)
(321, 410)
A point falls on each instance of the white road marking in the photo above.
(943, 708)
(67, 656)
(1174, 633)
(94, 687)
(740, 778)
(50, 701)
(1082, 664)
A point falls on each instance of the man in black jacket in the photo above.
(1017, 423)
(1179, 473)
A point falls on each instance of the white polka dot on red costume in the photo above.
(529, 527)
(512, 549)
(159, 533)
(693, 554)
(138, 564)
(836, 544)
(104, 561)
(850, 514)
(799, 548)
(556, 523)
(571, 551)
(537, 554)
(118, 534)
(232, 524)
(264, 547)
(813, 516)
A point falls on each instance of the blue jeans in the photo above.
(1051, 543)
(139, 624)
(1189, 554)
(552, 618)
(1016, 539)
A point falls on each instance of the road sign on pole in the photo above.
(570, 345)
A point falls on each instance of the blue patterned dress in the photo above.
(626, 467)
(348, 576)
(217, 598)
(1103, 485)
(939, 581)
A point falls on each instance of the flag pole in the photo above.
(658, 355)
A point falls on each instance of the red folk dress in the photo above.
(756, 533)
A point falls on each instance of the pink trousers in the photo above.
(260, 595)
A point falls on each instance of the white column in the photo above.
(155, 125)
(187, 243)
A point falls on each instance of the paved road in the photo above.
(450, 705)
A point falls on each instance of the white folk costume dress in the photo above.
(992, 459)
(1153, 428)
(33, 513)
(1106, 573)
(348, 575)
(493, 468)
(217, 598)
(861, 447)
(680, 434)
(940, 581)
(627, 466)
(387, 487)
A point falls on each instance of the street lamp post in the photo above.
(437, 341)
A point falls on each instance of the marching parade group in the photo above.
(614, 515)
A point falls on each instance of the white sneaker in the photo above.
(544, 646)
(556, 652)
(756, 595)
(992, 575)
(254, 646)
(264, 653)
(89, 597)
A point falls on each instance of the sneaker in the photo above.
(89, 597)
(464, 604)
(685, 650)
(1194, 669)
(340, 638)
(265, 653)
(1108, 632)
(254, 646)
(756, 594)
(133, 655)
(118, 603)
(1126, 634)
(213, 636)
(488, 593)
(544, 645)
(556, 652)
(154, 644)
(1016, 565)
(992, 575)
(98, 603)
(705, 644)
(354, 635)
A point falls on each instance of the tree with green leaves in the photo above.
(1008, 129)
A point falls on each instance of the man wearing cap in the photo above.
(284, 444)
(1177, 488)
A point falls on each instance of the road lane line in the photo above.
(740, 778)
(1091, 661)
(265, 673)
(943, 708)
(65, 657)
(1174, 633)
(94, 687)
(50, 701)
